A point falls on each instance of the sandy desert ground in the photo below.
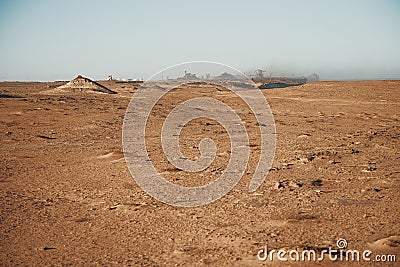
(67, 196)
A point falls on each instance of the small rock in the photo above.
(317, 182)
(303, 160)
(310, 157)
(288, 164)
(279, 185)
(178, 252)
(295, 184)
(369, 169)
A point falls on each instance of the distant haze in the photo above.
(56, 40)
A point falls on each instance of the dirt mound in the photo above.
(83, 84)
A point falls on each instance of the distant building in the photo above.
(189, 77)
(313, 78)
(260, 73)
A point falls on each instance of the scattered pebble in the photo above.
(317, 182)
(278, 185)
(303, 160)
(295, 184)
(303, 136)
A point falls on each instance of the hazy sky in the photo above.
(56, 40)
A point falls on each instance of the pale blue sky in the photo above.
(56, 40)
